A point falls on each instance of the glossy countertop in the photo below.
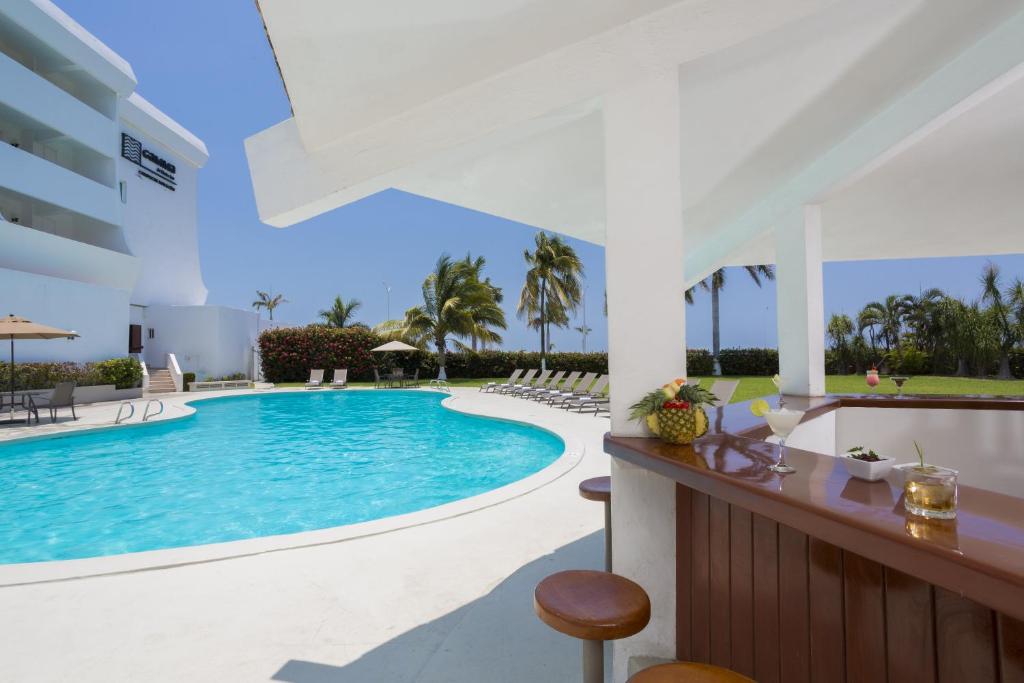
(979, 554)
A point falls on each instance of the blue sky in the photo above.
(207, 64)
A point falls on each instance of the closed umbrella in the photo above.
(14, 327)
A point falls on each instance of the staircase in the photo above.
(160, 381)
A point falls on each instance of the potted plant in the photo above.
(864, 463)
(675, 412)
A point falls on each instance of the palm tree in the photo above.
(553, 286)
(922, 318)
(268, 301)
(455, 304)
(717, 284)
(884, 321)
(840, 333)
(340, 313)
(584, 331)
(1004, 313)
(483, 334)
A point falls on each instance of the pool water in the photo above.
(254, 465)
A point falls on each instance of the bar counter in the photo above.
(818, 576)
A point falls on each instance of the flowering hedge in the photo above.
(288, 353)
(124, 373)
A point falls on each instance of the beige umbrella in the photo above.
(394, 346)
(14, 327)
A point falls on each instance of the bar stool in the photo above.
(593, 607)
(600, 489)
(688, 672)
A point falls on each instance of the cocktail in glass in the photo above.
(783, 421)
(899, 382)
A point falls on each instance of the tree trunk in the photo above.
(716, 369)
(1004, 366)
(271, 311)
(543, 338)
(441, 354)
(961, 367)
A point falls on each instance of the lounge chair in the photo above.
(543, 387)
(570, 392)
(340, 380)
(723, 389)
(376, 379)
(62, 396)
(525, 381)
(316, 379)
(554, 387)
(491, 387)
(415, 381)
(518, 391)
(543, 382)
(592, 398)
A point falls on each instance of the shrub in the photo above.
(186, 379)
(123, 373)
(763, 362)
(287, 354)
(909, 361)
(699, 362)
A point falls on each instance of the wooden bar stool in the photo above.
(688, 672)
(594, 607)
(600, 489)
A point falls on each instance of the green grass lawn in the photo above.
(752, 387)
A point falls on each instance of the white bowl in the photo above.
(868, 471)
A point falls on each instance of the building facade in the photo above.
(98, 207)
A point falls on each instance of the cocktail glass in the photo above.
(783, 421)
(899, 382)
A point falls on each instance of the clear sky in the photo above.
(206, 63)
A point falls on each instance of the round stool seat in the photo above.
(592, 605)
(598, 488)
(688, 672)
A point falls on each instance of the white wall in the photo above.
(211, 341)
(99, 314)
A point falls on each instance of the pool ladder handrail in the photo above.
(131, 406)
(145, 413)
(440, 385)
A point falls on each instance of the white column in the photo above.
(643, 244)
(801, 303)
(646, 336)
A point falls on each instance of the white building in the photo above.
(98, 206)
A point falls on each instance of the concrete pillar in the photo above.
(646, 335)
(801, 303)
(644, 244)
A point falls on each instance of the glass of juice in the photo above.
(930, 491)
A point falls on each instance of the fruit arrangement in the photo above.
(675, 413)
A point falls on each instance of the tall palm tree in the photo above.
(922, 318)
(553, 286)
(716, 285)
(455, 304)
(1002, 310)
(340, 313)
(884, 320)
(840, 333)
(584, 330)
(268, 301)
(483, 334)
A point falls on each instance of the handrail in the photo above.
(117, 420)
(440, 385)
(175, 370)
(145, 376)
(146, 415)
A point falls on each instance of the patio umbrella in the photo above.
(14, 327)
(394, 346)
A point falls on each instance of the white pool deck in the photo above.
(443, 600)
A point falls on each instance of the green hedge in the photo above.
(756, 362)
(124, 373)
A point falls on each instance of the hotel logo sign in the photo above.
(151, 166)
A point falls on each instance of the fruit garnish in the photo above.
(676, 405)
(760, 407)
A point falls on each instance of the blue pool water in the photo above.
(250, 466)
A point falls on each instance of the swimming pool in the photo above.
(254, 465)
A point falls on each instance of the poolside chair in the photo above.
(581, 388)
(723, 389)
(592, 398)
(415, 381)
(62, 396)
(376, 379)
(554, 387)
(491, 387)
(543, 387)
(532, 385)
(340, 380)
(525, 381)
(316, 379)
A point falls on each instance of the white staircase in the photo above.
(160, 381)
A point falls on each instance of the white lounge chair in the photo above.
(540, 389)
(340, 380)
(491, 387)
(554, 388)
(570, 392)
(591, 399)
(723, 389)
(529, 386)
(526, 380)
(316, 379)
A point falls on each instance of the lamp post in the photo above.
(387, 292)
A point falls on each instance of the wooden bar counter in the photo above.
(815, 576)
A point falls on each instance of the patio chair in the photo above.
(376, 379)
(518, 391)
(316, 379)
(491, 387)
(340, 380)
(592, 398)
(557, 387)
(415, 381)
(397, 375)
(63, 396)
(541, 385)
(525, 381)
(723, 389)
(581, 388)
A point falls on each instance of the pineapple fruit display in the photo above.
(675, 413)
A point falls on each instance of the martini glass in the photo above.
(899, 382)
(783, 421)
